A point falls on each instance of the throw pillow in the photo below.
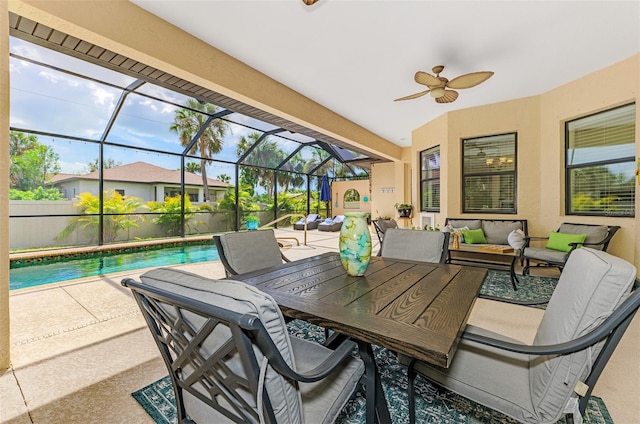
(474, 236)
(560, 241)
(460, 230)
(516, 239)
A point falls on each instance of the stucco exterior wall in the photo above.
(339, 188)
(539, 123)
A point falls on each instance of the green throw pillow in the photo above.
(560, 241)
(474, 236)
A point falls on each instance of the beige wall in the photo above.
(4, 186)
(338, 188)
(539, 123)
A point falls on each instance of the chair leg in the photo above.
(411, 377)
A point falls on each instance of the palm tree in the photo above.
(187, 121)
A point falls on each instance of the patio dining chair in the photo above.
(589, 311)
(230, 358)
(246, 251)
(415, 245)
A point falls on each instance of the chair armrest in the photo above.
(271, 351)
(528, 239)
(621, 316)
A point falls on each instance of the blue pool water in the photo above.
(36, 275)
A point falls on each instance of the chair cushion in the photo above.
(474, 236)
(486, 375)
(545, 255)
(414, 245)
(251, 250)
(320, 404)
(241, 298)
(592, 285)
(560, 241)
(497, 232)
(595, 233)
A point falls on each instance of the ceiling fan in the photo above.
(438, 85)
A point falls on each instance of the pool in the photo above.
(39, 274)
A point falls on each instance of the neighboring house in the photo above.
(140, 179)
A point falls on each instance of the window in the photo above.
(600, 163)
(351, 199)
(430, 179)
(489, 174)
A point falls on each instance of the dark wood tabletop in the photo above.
(419, 309)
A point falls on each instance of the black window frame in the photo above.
(513, 209)
(568, 204)
(433, 180)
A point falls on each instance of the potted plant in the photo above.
(404, 210)
(252, 222)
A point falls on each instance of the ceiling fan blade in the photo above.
(412, 96)
(469, 80)
(449, 96)
(427, 79)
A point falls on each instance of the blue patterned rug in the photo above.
(433, 403)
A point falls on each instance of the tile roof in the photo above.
(142, 172)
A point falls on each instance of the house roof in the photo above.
(142, 172)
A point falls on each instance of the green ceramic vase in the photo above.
(355, 243)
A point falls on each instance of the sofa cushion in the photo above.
(473, 224)
(497, 232)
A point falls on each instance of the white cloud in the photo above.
(56, 77)
(73, 167)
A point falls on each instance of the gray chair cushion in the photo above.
(249, 251)
(595, 233)
(241, 298)
(545, 255)
(497, 232)
(415, 245)
(320, 403)
(486, 375)
(591, 286)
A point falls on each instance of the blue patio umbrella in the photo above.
(325, 192)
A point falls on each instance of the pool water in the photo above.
(36, 275)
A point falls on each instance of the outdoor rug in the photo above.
(433, 403)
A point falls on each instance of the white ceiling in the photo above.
(356, 56)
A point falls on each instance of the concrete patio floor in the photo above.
(79, 349)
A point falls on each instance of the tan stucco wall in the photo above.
(539, 122)
(4, 186)
(339, 188)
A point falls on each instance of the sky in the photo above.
(48, 100)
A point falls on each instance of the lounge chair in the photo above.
(331, 224)
(313, 219)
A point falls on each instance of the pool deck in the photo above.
(79, 349)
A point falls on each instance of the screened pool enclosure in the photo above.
(103, 153)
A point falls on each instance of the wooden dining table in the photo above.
(415, 308)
